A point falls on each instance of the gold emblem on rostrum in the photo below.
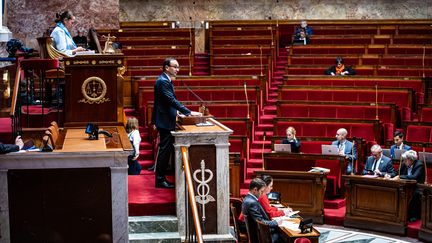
(94, 90)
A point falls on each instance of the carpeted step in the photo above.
(335, 203)
(259, 135)
(250, 172)
(334, 216)
(145, 155)
(264, 127)
(144, 145)
(145, 200)
(255, 163)
(267, 119)
(129, 112)
(414, 228)
(244, 192)
(270, 108)
(145, 163)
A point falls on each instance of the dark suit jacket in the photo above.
(6, 148)
(386, 166)
(253, 211)
(417, 172)
(295, 145)
(165, 104)
(348, 149)
(393, 148)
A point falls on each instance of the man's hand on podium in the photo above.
(194, 113)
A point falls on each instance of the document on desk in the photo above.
(292, 213)
(290, 225)
(277, 205)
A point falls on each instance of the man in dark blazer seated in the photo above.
(413, 169)
(378, 164)
(253, 211)
(398, 138)
(6, 148)
(345, 149)
(164, 118)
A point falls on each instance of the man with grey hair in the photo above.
(346, 149)
(413, 169)
(378, 164)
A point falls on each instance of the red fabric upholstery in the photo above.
(426, 114)
(416, 133)
(39, 64)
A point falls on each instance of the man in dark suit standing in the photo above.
(378, 164)
(6, 148)
(164, 117)
(413, 169)
(253, 211)
(346, 149)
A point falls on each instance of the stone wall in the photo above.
(29, 19)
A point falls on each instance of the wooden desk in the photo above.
(303, 191)
(292, 235)
(425, 233)
(378, 204)
(76, 193)
(303, 162)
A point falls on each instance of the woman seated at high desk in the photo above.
(291, 139)
(62, 39)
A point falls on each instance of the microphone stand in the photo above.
(376, 101)
(261, 65)
(203, 109)
(262, 150)
(352, 154)
(423, 59)
(425, 164)
(247, 100)
(190, 46)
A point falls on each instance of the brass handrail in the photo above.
(15, 91)
(191, 193)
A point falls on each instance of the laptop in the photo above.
(398, 153)
(329, 149)
(425, 156)
(386, 152)
(282, 148)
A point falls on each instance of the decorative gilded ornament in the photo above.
(94, 90)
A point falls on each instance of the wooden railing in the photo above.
(190, 235)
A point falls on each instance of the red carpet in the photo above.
(145, 199)
(413, 229)
(334, 216)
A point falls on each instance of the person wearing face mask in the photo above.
(291, 139)
(62, 39)
(340, 69)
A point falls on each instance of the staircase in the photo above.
(154, 229)
(201, 64)
(261, 143)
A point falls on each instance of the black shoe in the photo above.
(164, 184)
(151, 168)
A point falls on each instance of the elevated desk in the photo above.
(303, 191)
(77, 193)
(425, 232)
(94, 89)
(303, 162)
(378, 204)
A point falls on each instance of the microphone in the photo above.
(261, 65)
(247, 100)
(376, 101)
(262, 151)
(423, 59)
(203, 109)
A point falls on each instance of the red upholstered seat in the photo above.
(416, 133)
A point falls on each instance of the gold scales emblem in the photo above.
(94, 90)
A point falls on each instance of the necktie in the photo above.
(374, 165)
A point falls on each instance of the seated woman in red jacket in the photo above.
(272, 212)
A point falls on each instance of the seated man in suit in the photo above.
(6, 148)
(378, 164)
(253, 211)
(413, 169)
(398, 138)
(346, 149)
